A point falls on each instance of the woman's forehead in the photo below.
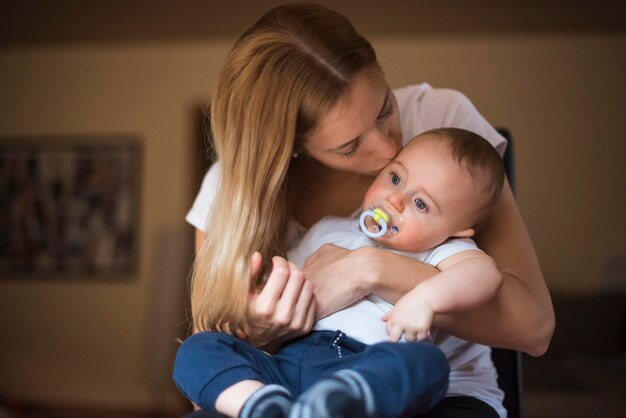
(354, 114)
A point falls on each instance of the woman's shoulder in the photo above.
(411, 92)
(197, 215)
(420, 91)
(429, 102)
(423, 107)
(212, 176)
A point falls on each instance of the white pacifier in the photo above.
(379, 220)
(380, 217)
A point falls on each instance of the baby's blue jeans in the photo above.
(403, 376)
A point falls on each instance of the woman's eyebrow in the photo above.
(345, 144)
(382, 109)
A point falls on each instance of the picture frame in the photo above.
(69, 206)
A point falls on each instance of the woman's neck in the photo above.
(324, 191)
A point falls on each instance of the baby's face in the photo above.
(435, 196)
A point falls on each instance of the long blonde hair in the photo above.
(281, 76)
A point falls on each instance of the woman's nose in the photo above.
(383, 146)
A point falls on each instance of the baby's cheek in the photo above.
(370, 195)
(401, 243)
(411, 240)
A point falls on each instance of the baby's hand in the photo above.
(412, 316)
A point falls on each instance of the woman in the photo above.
(302, 118)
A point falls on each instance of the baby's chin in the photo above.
(383, 241)
(397, 244)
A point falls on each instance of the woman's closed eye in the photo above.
(352, 151)
(385, 114)
(421, 205)
(348, 154)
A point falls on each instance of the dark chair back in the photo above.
(509, 362)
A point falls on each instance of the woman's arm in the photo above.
(520, 317)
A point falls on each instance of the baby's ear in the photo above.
(466, 233)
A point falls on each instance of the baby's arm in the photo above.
(467, 280)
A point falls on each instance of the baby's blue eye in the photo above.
(420, 204)
(395, 179)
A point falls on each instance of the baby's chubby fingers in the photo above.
(395, 333)
(393, 330)
(410, 336)
(423, 334)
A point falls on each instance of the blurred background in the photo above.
(101, 345)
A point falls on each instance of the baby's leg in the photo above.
(232, 399)
(220, 372)
(386, 379)
(404, 376)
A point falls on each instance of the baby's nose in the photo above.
(397, 201)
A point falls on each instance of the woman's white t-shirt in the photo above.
(421, 108)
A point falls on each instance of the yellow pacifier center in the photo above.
(380, 214)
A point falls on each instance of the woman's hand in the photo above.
(340, 276)
(283, 310)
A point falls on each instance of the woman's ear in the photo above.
(466, 233)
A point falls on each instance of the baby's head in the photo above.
(443, 184)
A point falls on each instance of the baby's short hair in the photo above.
(475, 154)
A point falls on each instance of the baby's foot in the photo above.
(345, 394)
(270, 401)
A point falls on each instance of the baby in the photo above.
(435, 194)
(425, 204)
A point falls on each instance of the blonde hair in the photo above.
(281, 76)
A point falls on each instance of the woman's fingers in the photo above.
(310, 315)
(284, 309)
(274, 286)
(255, 265)
(302, 308)
(240, 333)
(293, 289)
(333, 278)
(287, 303)
(319, 255)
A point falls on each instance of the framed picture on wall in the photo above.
(69, 206)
